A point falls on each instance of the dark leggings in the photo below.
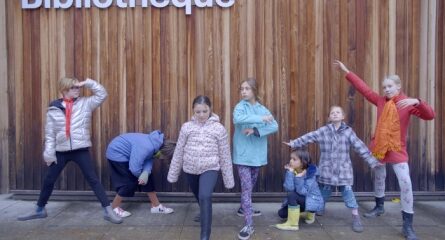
(83, 159)
(293, 199)
(202, 187)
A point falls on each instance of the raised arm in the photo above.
(358, 83)
(99, 93)
(310, 137)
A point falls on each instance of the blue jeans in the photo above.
(346, 193)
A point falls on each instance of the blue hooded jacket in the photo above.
(137, 149)
(306, 186)
(251, 150)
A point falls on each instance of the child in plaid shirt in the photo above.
(335, 140)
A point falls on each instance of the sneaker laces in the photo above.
(246, 229)
(119, 211)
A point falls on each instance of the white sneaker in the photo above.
(121, 212)
(161, 209)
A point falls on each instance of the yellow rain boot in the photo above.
(310, 218)
(293, 216)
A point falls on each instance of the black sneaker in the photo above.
(246, 232)
(240, 212)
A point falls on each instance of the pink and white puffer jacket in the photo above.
(202, 147)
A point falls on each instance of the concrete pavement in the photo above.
(83, 220)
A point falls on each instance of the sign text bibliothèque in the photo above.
(65, 4)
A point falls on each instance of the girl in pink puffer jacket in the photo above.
(201, 151)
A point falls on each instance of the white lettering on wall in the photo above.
(158, 3)
(126, 3)
(186, 4)
(27, 5)
(225, 3)
(59, 4)
(204, 3)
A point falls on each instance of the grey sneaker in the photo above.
(255, 213)
(111, 216)
(34, 215)
(246, 232)
(357, 225)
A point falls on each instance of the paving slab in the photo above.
(84, 220)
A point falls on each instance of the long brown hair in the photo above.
(254, 85)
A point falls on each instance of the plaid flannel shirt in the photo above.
(335, 164)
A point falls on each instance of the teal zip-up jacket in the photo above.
(251, 150)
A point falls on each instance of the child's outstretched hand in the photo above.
(287, 143)
(341, 66)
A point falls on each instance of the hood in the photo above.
(311, 171)
(157, 139)
(213, 118)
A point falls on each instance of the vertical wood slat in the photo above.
(439, 172)
(153, 62)
(4, 99)
(431, 94)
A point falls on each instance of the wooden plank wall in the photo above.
(153, 62)
(4, 121)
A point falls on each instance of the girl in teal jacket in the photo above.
(253, 123)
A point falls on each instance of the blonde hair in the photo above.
(394, 78)
(254, 85)
(66, 83)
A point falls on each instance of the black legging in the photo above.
(202, 187)
(83, 159)
(293, 199)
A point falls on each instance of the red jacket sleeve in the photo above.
(423, 111)
(364, 89)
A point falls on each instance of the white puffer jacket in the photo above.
(80, 137)
(202, 147)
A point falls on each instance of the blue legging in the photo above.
(202, 187)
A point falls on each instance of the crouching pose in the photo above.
(131, 157)
(303, 193)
